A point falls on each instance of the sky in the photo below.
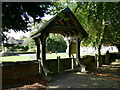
(20, 33)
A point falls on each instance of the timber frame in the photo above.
(64, 23)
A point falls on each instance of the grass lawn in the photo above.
(54, 55)
(62, 55)
(27, 58)
(15, 58)
(20, 52)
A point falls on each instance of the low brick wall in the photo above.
(18, 73)
(15, 74)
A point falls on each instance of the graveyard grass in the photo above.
(27, 58)
(14, 58)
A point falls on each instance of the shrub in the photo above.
(18, 48)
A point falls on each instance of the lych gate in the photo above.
(64, 23)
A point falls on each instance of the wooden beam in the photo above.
(71, 33)
(66, 22)
(67, 34)
(68, 42)
(43, 50)
(62, 33)
(63, 22)
(38, 51)
(62, 29)
(37, 42)
(69, 48)
(72, 23)
(67, 26)
(55, 30)
(77, 23)
(60, 22)
(78, 49)
(36, 35)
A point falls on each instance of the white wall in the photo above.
(91, 50)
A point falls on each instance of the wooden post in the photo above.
(38, 56)
(68, 47)
(78, 49)
(37, 42)
(38, 51)
(43, 55)
(72, 63)
(58, 58)
(43, 51)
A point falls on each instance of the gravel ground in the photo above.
(81, 80)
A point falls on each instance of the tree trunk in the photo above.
(99, 58)
(118, 47)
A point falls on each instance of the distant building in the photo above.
(13, 41)
(20, 42)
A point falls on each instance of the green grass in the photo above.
(20, 52)
(27, 58)
(54, 56)
(14, 58)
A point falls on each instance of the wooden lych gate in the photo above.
(64, 23)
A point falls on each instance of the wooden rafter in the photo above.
(70, 32)
(67, 24)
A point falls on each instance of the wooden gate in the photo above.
(59, 65)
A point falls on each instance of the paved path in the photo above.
(78, 80)
(32, 56)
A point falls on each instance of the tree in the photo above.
(18, 15)
(101, 21)
(37, 26)
(103, 25)
(30, 43)
(22, 37)
(55, 42)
